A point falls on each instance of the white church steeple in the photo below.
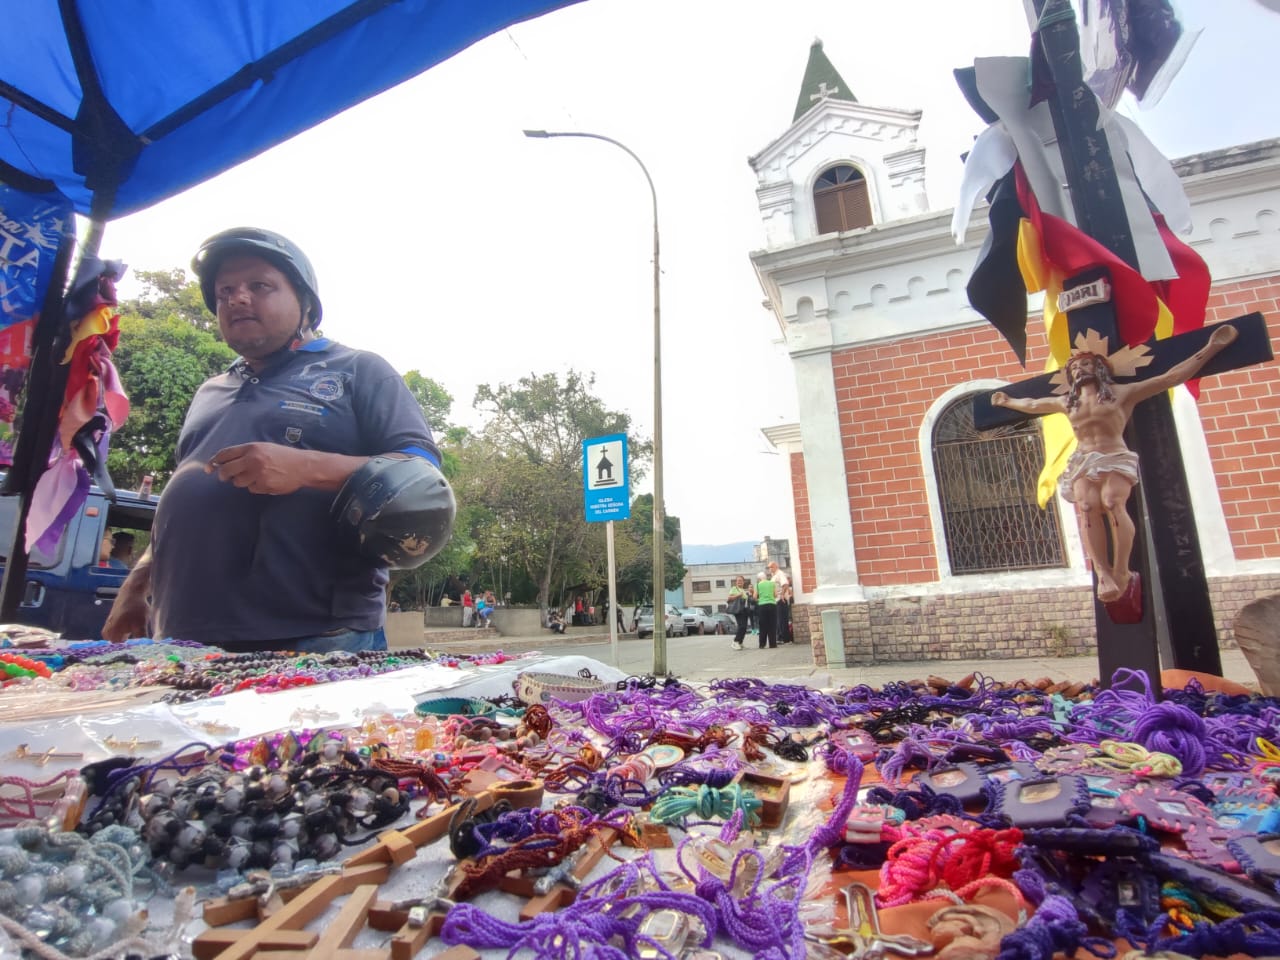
(842, 165)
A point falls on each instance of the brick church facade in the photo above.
(916, 536)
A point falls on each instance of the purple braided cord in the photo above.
(1254, 934)
(832, 832)
(908, 751)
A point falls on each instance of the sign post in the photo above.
(607, 497)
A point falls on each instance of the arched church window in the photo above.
(840, 199)
(987, 489)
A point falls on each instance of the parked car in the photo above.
(70, 590)
(697, 620)
(726, 623)
(675, 626)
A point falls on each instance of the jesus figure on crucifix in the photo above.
(1102, 471)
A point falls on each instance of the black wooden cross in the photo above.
(1126, 635)
(1180, 588)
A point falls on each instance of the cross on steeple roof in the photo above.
(821, 81)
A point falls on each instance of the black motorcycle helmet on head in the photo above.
(278, 250)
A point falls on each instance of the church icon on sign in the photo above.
(604, 470)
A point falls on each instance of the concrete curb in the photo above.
(487, 641)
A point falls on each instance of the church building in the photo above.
(917, 536)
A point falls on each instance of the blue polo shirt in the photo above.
(246, 571)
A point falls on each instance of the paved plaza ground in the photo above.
(711, 657)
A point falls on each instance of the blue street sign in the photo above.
(605, 484)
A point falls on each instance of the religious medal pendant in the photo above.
(260, 753)
(668, 929)
(289, 748)
(964, 781)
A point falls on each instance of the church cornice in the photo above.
(783, 436)
(869, 118)
(872, 248)
(1205, 181)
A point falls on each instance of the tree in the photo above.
(526, 468)
(435, 400)
(168, 293)
(417, 588)
(635, 573)
(167, 349)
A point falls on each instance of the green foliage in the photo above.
(435, 400)
(635, 560)
(167, 348)
(168, 293)
(526, 468)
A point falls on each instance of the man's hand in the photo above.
(999, 398)
(269, 468)
(128, 619)
(128, 616)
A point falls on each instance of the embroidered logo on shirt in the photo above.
(293, 434)
(298, 406)
(327, 387)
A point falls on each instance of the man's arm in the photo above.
(128, 617)
(1135, 393)
(1035, 406)
(275, 469)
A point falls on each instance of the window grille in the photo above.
(987, 488)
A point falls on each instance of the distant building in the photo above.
(706, 585)
(917, 535)
(774, 551)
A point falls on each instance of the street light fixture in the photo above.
(659, 594)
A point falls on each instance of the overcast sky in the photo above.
(451, 244)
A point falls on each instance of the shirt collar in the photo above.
(318, 345)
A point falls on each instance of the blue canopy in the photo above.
(119, 104)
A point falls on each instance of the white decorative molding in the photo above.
(773, 194)
(866, 117)
(822, 596)
(784, 437)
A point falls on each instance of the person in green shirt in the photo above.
(767, 611)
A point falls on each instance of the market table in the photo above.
(729, 816)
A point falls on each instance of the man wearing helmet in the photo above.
(248, 550)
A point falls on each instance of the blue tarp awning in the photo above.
(132, 101)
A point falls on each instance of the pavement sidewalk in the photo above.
(713, 657)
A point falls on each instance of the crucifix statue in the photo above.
(1111, 388)
(1081, 196)
(1097, 392)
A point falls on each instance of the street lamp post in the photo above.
(659, 593)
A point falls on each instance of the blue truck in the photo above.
(71, 589)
